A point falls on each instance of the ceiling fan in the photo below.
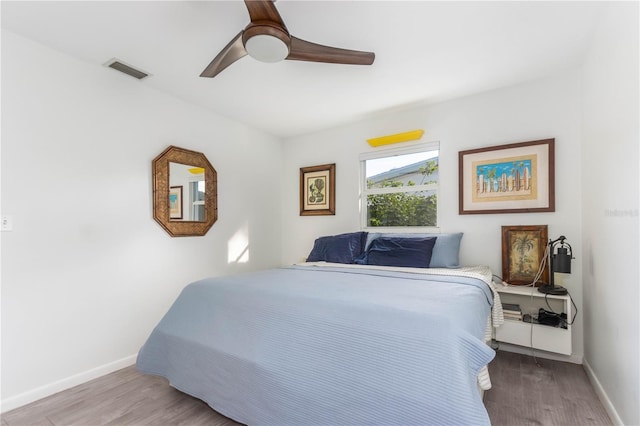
(267, 39)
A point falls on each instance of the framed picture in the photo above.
(523, 248)
(513, 178)
(175, 202)
(318, 190)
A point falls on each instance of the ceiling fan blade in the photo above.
(302, 50)
(231, 53)
(263, 10)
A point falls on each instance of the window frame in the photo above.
(364, 191)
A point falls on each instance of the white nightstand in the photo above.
(538, 336)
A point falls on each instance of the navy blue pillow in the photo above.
(392, 251)
(446, 252)
(343, 248)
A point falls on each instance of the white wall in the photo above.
(86, 271)
(610, 212)
(548, 108)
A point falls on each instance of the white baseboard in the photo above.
(60, 385)
(602, 395)
(573, 358)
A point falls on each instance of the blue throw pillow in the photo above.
(343, 248)
(394, 251)
(446, 252)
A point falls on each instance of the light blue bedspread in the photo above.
(328, 346)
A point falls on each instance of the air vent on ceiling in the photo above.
(124, 68)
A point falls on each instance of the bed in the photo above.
(327, 343)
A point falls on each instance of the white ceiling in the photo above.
(426, 51)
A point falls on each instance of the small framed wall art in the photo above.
(512, 178)
(523, 248)
(175, 203)
(318, 190)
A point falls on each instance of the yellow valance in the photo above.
(398, 137)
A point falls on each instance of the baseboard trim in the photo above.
(602, 395)
(60, 385)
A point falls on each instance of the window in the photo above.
(400, 187)
(196, 196)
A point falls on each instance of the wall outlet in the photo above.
(6, 223)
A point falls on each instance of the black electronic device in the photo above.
(548, 318)
(552, 319)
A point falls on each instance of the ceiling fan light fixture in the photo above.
(266, 48)
(267, 39)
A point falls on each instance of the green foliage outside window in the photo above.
(403, 208)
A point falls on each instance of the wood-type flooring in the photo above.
(523, 393)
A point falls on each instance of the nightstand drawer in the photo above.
(542, 337)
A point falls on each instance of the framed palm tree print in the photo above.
(523, 249)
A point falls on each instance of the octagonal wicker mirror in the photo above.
(185, 192)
